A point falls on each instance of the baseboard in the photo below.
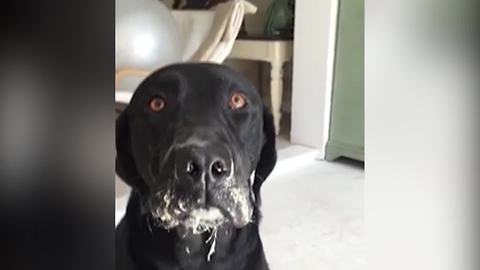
(335, 150)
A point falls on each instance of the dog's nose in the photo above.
(201, 164)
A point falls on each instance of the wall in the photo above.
(315, 27)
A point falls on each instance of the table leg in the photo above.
(276, 92)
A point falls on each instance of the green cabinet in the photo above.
(346, 135)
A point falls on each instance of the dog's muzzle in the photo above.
(204, 191)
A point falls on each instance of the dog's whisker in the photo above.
(164, 159)
(232, 169)
(175, 175)
(150, 171)
(148, 224)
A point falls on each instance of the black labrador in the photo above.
(195, 144)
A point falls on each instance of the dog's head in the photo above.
(196, 142)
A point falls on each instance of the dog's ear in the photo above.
(124, 162)
(268, 155)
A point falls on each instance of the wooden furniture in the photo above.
(346, 137)
(275, 52)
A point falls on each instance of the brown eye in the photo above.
(156, 104)
(237, 101)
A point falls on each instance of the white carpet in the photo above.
(313, 218)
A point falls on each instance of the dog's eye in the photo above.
(156, 104)
(237, 101)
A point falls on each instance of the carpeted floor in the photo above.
(313, 217)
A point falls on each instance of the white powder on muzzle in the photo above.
(204, 219)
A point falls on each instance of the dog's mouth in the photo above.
(169, 212)
(197, 220)
(203, 219)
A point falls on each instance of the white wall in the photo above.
(315, 27)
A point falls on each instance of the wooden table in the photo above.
(275, 52)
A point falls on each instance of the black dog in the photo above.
(195, 144)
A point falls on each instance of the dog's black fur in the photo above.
(197, 98)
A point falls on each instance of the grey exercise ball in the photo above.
(146, 35)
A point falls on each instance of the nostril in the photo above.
(219, 169)
(192, 168)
